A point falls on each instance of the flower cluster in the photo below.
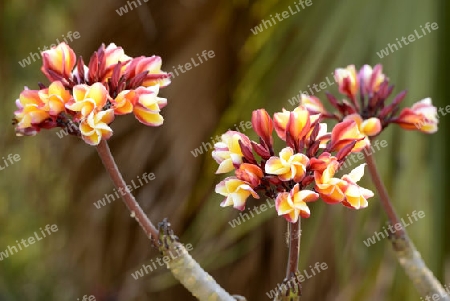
(370, 111)
(84, 100)
(301, 172)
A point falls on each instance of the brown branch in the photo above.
(136, 211)
(407, 254)
(294, 248)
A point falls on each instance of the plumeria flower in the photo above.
(330, 188)
(304, 170)
(370, 110)
(54, 98)
(250, 173)
(369, 127)
(30, 113)
(236, 192)
(355, 196)
(347, 80)
(96, 126)
(345, 132)
(288, 166)
(147, 106)
(370, 79)
(58, 62)
(84, 99)
(294, 204)
(312, 104)
(227, 152)
(152, 67)
(88, 98)
(421, 116)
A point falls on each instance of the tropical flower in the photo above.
(345, 132)
(147, 106)
(368, 127)
(84, 99)
(294, 204)
(355, 196)
(370, 110)
(347, 80)
(54, 98)
(288, 166)
(329, 188)
(95, 127)
(88, 98)
(227, 152)
(304, 170)
(421, 116)
(58, 62)
(236, 192)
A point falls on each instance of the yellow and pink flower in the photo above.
(293, 204)
(369, 127)
(329, 187)
(347, 80)
(355, 196)
(227, 152)
(344, 133)
(421, 116)
(95, 126)
(147, 106)
(60, 59)
(371, 79)
(86, 99)
(288, 166)
(263, 125)
(250, 173)
(236, 192)
(30, 113)
(54, 98)
(312, 104)
(152, 65)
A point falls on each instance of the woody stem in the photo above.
(136, 211)
(294, 248)
(408, 256)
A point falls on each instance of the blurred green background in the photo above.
(95, 250)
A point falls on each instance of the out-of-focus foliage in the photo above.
(95, 250)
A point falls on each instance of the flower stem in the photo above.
(183, 266)
(294, 250)
(384, 196)
(110, 165)
(407, 254)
